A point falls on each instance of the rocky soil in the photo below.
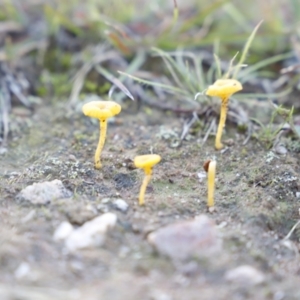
(68, 231)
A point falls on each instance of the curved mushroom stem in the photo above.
(211, 183)
(103, 127)
(147, 178)
(218, 144)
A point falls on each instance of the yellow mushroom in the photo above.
(223, 88)
(101, 110)
(146, 162)
(210, 167)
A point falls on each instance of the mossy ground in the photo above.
(256, 206)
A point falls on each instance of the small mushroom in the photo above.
(210, 167)
(146, 162)
(101, 110)
(223, 88)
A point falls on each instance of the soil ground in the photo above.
(256, 201)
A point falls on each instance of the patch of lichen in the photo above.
(293, 146)
(260, 176)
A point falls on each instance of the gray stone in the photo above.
(187, 239)
(2, 150)
(79, 213)
(245, 275)
(121, 205)
(44, 192)
(63, 231)
(22, 271)
(91, 233)
(280, 149)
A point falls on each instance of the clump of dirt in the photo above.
(257, 204)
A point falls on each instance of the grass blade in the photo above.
(155, 84)
(114, 81)
(218, 66)
(246, 49)
(259, 65)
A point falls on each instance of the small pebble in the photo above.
(91, 233)
(280, 149)
(222, 224)
(105, 200)
(245, 275)
(78, 214)
(211, 209)
(29, 216)
(187, 239)
(63, 231)
(279, 295)
(22, 271)
(121, 205)
(3, 150)
(229, 142)
(201, 176)
(102, 208)
(44, 192)
(160, 295)
(72, 157)
(12, 174)
(21, 111)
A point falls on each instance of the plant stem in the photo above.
(144, 185)
(103, 127)
(211, 183)
(218, 144)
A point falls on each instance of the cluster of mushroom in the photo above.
(102, 110)
(224, 89)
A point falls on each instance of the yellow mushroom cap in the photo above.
(101, 109)
(146, 161)
(224, 88)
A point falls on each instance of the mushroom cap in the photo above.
(101, 109)
(146, 161)
(206, 165)
(224, 88)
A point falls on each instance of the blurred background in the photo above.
(65, 50)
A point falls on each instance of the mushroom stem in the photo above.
(211, 183)
(103, 127)
(218, 144)
(147, 178)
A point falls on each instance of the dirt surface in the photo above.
(256, 207)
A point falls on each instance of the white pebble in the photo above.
(22, 270)
(91, 233)
(63, 231)
(3, 150)
(245, 275)
(281, 149)
(121, 205)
